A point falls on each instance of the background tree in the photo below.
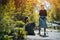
(25, 8)
(55, 10)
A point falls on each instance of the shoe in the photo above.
(44, 36)
(38, 33)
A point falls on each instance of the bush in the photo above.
(58, 28)
(7, 25)
(20, 33)
(20, 23)
(6, 37)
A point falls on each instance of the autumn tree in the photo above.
(55, 10)
(6, 12)
(25, 8)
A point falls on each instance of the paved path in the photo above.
(52, 35)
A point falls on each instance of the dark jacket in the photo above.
(43, 13)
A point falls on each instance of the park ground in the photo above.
(51, 33)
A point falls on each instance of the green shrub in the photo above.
(7, 25)
(6, 37)
(20, 32)
(20, 23)
(58, 27)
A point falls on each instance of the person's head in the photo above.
(42, 7)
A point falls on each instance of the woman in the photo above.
(42, 20)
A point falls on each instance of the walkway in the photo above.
(52, 35)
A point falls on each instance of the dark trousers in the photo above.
(42, 24)
(44, 31)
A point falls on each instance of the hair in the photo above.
(42, 5)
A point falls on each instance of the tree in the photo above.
(25, 8)
(55, 9)
(5, 11)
